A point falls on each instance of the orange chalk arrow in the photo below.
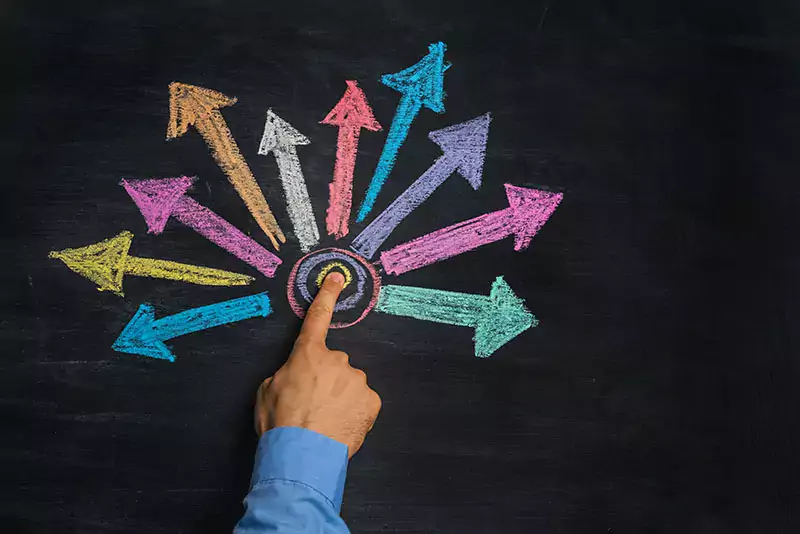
(106, 262)
(199, 107)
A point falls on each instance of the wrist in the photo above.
(302, 456)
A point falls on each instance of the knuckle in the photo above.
(302, 343)
(361, 375)
(320, 309)
(262, 389)
(340, 356)
(323, 301)
(375, 401)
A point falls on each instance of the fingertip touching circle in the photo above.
(311, 270)
(348, 276)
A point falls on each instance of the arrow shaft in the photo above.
(182, 272)
(218, 137)
(448, 242)
(341, 188)
(407, 110)
(461, 309)
(205, 317)
(297, 201)
(373, 236)
(225, 235)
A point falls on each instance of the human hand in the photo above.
(317, 388)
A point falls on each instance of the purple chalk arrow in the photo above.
(161, 198)
(464, 147)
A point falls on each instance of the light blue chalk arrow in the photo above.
(497, 319)
(421, 85)
(145, 336)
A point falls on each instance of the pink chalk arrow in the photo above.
(161, 198)
(350, 114)
(528, 210)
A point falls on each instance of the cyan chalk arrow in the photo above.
(145, 336)
(497, 319)
(422, 84)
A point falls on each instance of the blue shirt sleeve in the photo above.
(297, 484)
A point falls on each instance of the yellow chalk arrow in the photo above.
(190, 105)
(106, 262)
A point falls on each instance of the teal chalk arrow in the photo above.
(497, 319)
(145, 336)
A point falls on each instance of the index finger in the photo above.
(319, 315)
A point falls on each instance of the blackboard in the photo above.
(658, 392)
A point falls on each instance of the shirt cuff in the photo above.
(303, 456)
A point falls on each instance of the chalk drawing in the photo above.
(528, 210)
(105, 263)
(348, 276)
(190, 105)
(350, 114)
(145, 336)
(497, 319)
(280, 138)
(159, 199)
(365, 272)
(422, 84)
(464, 147)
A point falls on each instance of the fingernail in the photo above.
(336, 277)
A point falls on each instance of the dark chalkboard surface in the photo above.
(657, 394)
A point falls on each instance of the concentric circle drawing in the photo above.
(359, 296)
(495, 313)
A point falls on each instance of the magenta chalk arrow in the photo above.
(464, 147)
(159, 199)
(528, 210)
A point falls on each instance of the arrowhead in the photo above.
(187, 103)
(156, 198)
(103, 263)
(138, 337)
(503, 319)
(465, 145)
(352, 110)
(423, 80)
(279, 135)
(531, 208)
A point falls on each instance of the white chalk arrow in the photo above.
(281, 138)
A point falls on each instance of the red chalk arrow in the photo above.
(528, 210)
(351, 114)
